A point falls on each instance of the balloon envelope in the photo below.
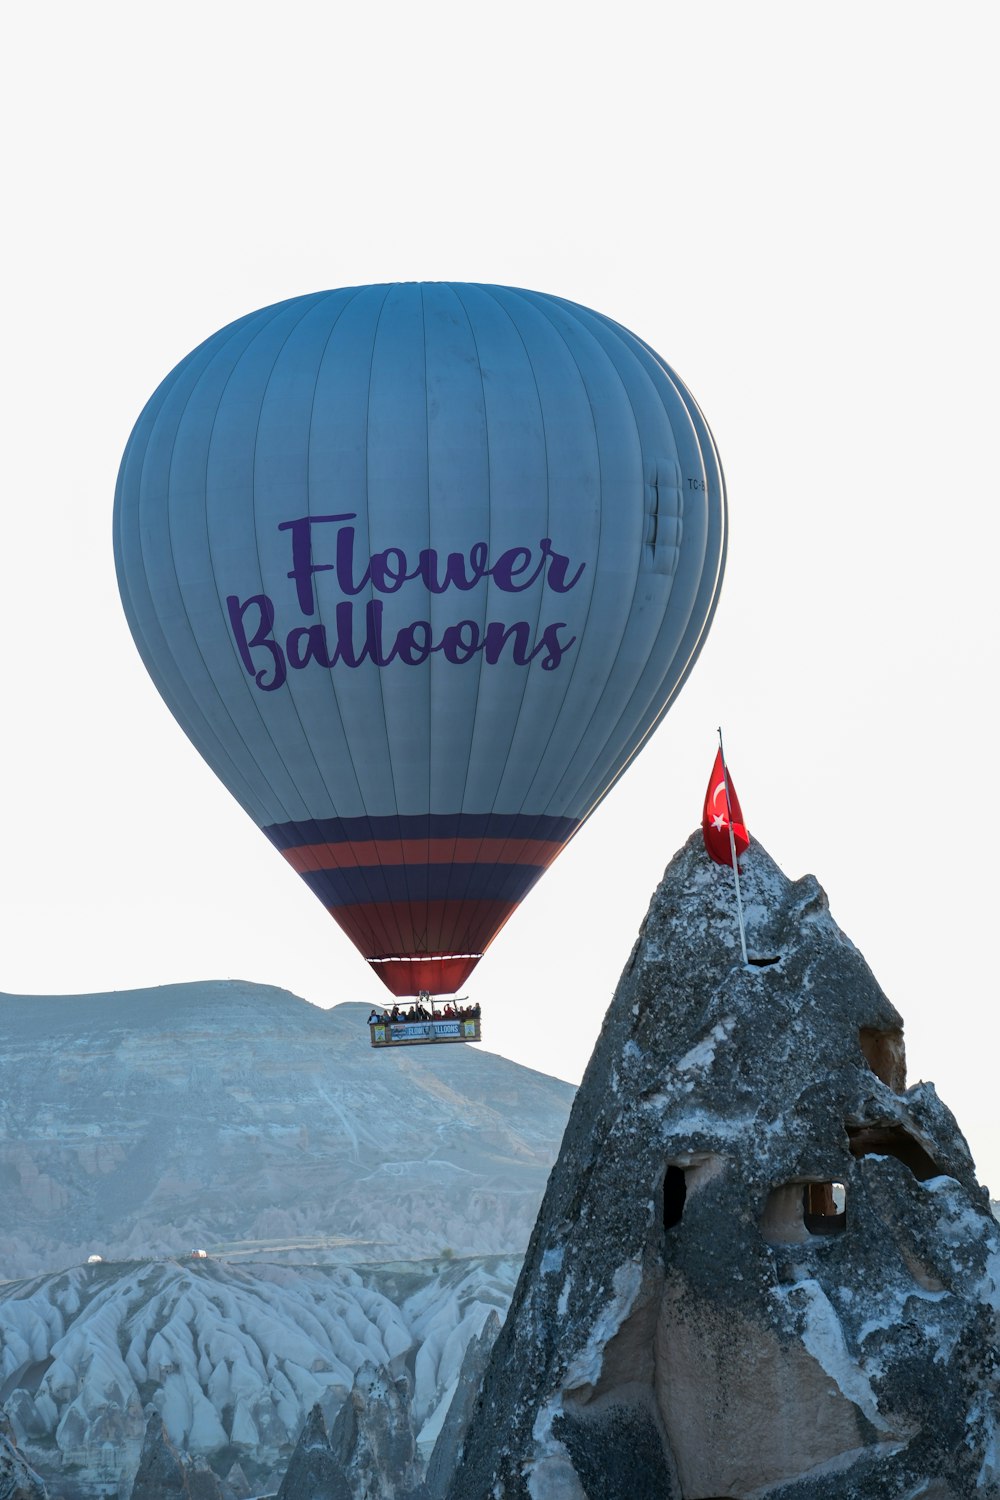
(418, 568)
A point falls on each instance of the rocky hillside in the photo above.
(239, 1118)
(232, 1357)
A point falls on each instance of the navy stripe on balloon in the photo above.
(422, 826)
(421, 883)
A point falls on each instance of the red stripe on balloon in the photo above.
(425, 929)
(432, 975)
(312, 858)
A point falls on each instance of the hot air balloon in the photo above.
(418, 568)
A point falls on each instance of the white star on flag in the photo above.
(718, 822)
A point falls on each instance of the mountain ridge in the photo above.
(241, 1117)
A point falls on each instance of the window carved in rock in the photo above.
(824, 1207)
(799, 1211)
(674, 1195)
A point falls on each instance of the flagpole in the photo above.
(732, 846)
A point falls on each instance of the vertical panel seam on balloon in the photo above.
(206, 735)
(385, 908)
(461, 895)
(427, 492)
(540, 305)
(309, 441)
(312, 302)
(169, 514)
(377, 903)
(315, 305)
(621, 334)
(371, 591)
(491, 293)
(529, 300)
(580, 325)
(684, 397)
(681, 394)
(535, 301)
(170, 529)
(329, 676)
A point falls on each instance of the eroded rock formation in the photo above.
(762, 1265)
(232, 1356)
(313, 1473)
(166, 1474)
(444, 1459)
(372, 1438)
(18, 1481)
(162, 1473)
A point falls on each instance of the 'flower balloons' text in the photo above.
(358, 637)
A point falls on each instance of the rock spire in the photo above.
(372, 1437)
(313, 1473)
(164, 1473)
(763, 1266)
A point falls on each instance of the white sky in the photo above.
(794, 204)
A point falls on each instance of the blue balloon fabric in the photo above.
(418, 568)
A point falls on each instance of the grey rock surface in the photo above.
(444, 1459)
(373, 1441)
(165, 1473)
(763, 1266)
(204, 1483)
(18, 1481)
(371, 1452)
(313, 1472)
(237, 1484)
(162, 1473)
(239, 1118)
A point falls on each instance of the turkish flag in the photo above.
(715, 818)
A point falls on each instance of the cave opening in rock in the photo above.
(885, 1054)
(892, 1139)
(824, 1207)
(674, 1194)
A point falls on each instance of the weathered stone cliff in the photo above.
(763, 1266)
(18, 1481)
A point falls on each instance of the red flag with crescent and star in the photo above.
(716, 816)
